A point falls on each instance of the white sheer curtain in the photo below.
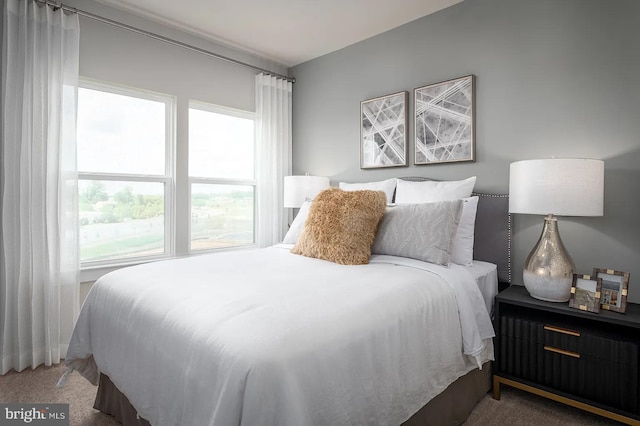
(273, 149)
(39, 254)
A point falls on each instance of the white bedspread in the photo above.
(265, 337)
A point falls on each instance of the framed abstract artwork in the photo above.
(383, 135)
(444, 121)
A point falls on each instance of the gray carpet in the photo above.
(519, 408)
(516, 408)
(39, 386)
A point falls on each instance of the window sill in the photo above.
(92, 273)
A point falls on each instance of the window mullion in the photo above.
(123, 177)
(215, 181)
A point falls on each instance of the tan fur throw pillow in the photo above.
(341, 226)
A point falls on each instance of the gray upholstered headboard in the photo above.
(492, 241)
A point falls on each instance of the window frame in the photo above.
(168, 178)
(219, 109)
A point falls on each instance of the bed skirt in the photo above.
(451, 407)
(455, 403)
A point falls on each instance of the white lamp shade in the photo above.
(562, 187)
(299, 188)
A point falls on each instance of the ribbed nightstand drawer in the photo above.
(562, 340)
(610, 368)
(521, 349)
(570, 360)
(531, 351)
(559, 338)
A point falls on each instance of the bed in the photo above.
(268, 337)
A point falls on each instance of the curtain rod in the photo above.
(155, 36)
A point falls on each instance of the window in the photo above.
(221, 177)
(125, 147)
(127, 169)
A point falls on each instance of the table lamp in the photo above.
(562, 187)
(297, 189)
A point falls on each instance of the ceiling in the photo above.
(286, 31)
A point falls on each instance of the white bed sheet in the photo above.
(289, 341)
(486, 276)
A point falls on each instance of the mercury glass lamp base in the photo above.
(547, 288)
(548, 270)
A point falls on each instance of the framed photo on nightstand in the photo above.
(615, 286)
(585, 293)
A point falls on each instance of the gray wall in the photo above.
(553, 78)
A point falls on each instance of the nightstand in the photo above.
(583, 359)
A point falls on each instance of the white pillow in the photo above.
(388, 186)
(462, 246)
(408, 192)
(298, 224)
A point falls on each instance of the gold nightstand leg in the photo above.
(564, 400)
(496, 388)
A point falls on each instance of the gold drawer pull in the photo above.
(562, 330)
(561, 351)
